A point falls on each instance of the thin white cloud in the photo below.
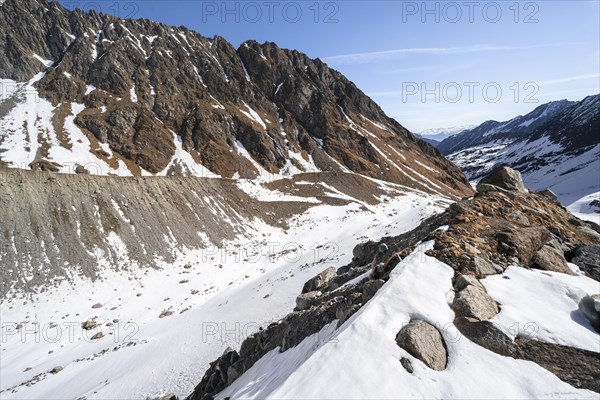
(377, 55)
(569, 79)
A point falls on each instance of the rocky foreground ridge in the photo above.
(504, 224)
(139, 97)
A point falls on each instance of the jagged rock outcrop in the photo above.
(160, 99)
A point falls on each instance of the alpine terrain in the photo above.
(183, 219)
(556, 146)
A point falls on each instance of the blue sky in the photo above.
(428, 64)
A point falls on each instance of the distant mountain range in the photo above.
(437, 135)
(555, 146)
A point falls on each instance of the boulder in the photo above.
(487, 335)
(407, 365)
(484, 267)
(89, 324)
(97, 336)
(587, 256)
(320, 281)
(370, 288)
(56, 369)
(79, 169)
(589, 307)
(523, 243)
(44, 165)
(505, 178)
(306, 300)
(484, 188)
(474, 302)
(466, 280)
(551, 259)
(424, 342)
(548, 195)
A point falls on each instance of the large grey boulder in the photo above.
(523, 243)
(424, 342)
(306, 300)
(488, 335)
(466, 280)
(587, 257)
(474, 302)
(505, 178)
(589, 307)
(551, 259)
(320, 281)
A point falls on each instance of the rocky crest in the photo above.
(137, 90)
(476, 237)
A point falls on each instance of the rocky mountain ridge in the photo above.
(515, 128)
(556, 146)
(133, 97)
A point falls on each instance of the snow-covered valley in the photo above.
(162, 326)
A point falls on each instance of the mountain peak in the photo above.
(153, 99)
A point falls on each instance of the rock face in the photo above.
(143, 89)
(320, 281)
(505, 178)
(587, 257)
(474, 302)
(523, 243)
(306, 300)
(424, 342)
(551, 259)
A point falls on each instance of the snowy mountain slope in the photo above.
(361, 359)
(216, 296)
(494, 131)
(562, 154)
(88, 92)
(510, 325)
(587, 207)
